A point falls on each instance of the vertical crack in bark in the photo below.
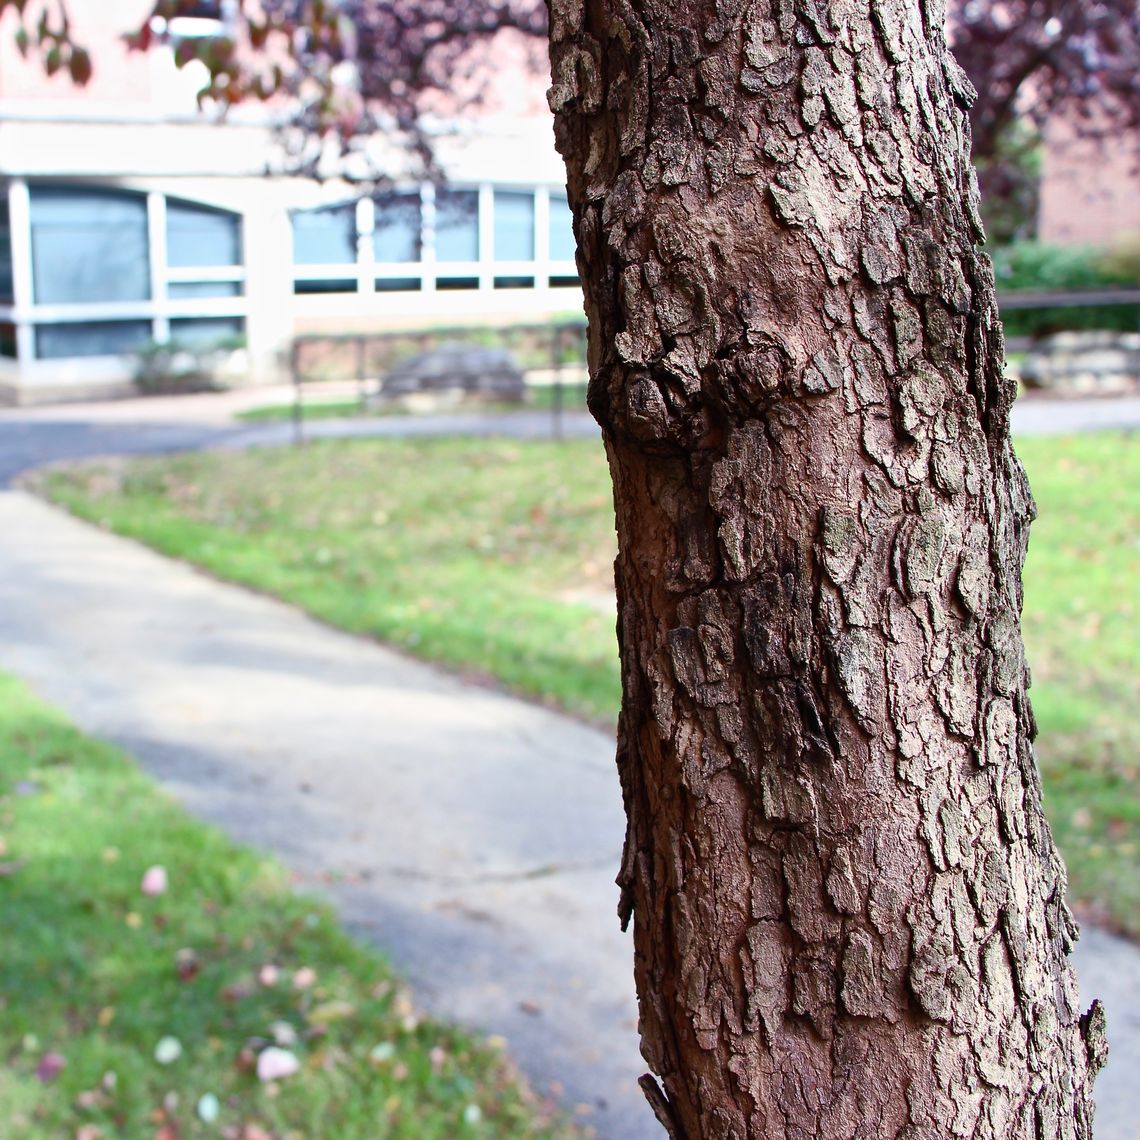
(848, 912)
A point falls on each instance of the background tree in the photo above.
(1035, 60)
(45, 28)
(356, 65)
(350, 67)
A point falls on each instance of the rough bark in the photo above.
(849, 914)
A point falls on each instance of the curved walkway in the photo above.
(473, 836)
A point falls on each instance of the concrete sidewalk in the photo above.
(475, 836)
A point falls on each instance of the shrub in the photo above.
(170, 367)
(1032, 265)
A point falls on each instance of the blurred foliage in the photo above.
(1037, 267)
(1009, 180)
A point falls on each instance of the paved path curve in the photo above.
(476, 836)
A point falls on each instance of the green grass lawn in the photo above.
(1082, 633)
(540, 396)
(494, 558)
(95, 974)
(311, 409)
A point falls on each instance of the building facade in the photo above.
(129, 218)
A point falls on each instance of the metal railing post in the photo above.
(556, 394)
(298, 410)
(361, 361)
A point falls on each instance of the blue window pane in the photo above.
(514, 226)
(325, 285)
(182, 290)
(444, 283)
(92, 338)
(397, 233)
(562, 244)
(398, 285)
(456, 225)
(325, 237)
(6, 293)
(207, 332)
(197, 236)
(89, 245)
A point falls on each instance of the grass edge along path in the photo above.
(540, 397)
(153, 973)
(471, 554)
(474, 554)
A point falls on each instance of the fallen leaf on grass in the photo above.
(50, 1066)
(208, 1108)
(330, 1011)
(168, 1050)
(186, 962)
(274, 1064)
(155, 880)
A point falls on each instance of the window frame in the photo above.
(28, 315)
(485, 274)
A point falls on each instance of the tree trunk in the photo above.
(849, 914)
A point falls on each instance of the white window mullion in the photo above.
(427, 236)
(23, 287)
(156, 234)
(486, 236)
(365, 250)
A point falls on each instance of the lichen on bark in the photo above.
(848, 911)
